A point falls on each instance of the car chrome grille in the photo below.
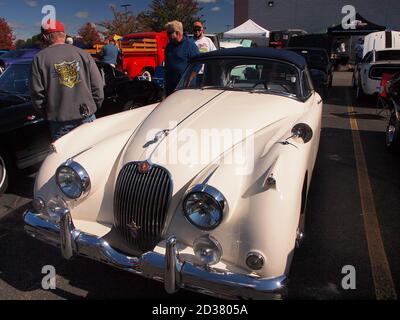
(140, 205)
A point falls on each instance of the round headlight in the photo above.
(55, 208)
(204, 207)
(207, 250)
(73, 180)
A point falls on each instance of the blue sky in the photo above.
(25, 15)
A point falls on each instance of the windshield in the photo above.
(251, 75)
(16, 79)
(388, 55)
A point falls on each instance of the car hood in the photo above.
(195, 119)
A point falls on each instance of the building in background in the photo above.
(314, 16)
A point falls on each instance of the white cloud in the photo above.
(32, 3)
(17, 25)
(82, 14)
(207, 1)
(215, 9)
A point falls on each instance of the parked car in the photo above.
(320, 65)
(322, 41)
(151, 190)
(15, 56)
(381, 40)
(368, 73)
(140, 54)
(228, 43)
(122, 93)
(280, 38)
(24, 135)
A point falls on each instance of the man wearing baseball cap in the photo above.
(204, 43)
(66, 85)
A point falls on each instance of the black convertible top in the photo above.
(269, 53)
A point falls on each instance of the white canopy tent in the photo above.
(248, 30)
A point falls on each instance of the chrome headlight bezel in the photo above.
(84, 180)
(215, 196)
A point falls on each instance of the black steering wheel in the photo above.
(264, 82)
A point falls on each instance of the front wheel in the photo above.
(4, 171)
(392, 134)
(146, 75)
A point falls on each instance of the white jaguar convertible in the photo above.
(205, 191)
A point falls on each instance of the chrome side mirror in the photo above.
(302, 133)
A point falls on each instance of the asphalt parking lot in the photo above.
(352, 220)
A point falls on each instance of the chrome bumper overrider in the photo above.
(169, 268)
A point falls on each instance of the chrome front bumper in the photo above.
(170, 269)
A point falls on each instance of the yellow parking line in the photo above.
(384, 286)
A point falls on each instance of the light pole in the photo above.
(126, 10)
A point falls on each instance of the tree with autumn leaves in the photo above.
(89, 35)
(6, 35)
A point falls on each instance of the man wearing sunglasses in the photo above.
(178, 52)
(204, 43)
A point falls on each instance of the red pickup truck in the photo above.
(142, 53)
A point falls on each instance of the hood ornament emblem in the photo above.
(157, 137)
(144, 167)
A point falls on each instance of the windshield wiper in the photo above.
(214, 87)
(255, 90)
(14, 94)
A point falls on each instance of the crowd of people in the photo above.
(67, 87)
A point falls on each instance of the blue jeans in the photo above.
(58, 129)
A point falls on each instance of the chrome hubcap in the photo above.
(146, 75)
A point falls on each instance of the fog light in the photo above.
(207, 250)
(255, 261)
(39, 205)
(55, 208)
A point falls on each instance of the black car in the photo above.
(280, 39)
(24, 134)
(321, 68)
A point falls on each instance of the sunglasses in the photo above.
(197, 29)
(170, 32)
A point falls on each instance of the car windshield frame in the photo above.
(198, 66)
(6, 79)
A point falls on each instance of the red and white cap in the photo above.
(52, 26)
